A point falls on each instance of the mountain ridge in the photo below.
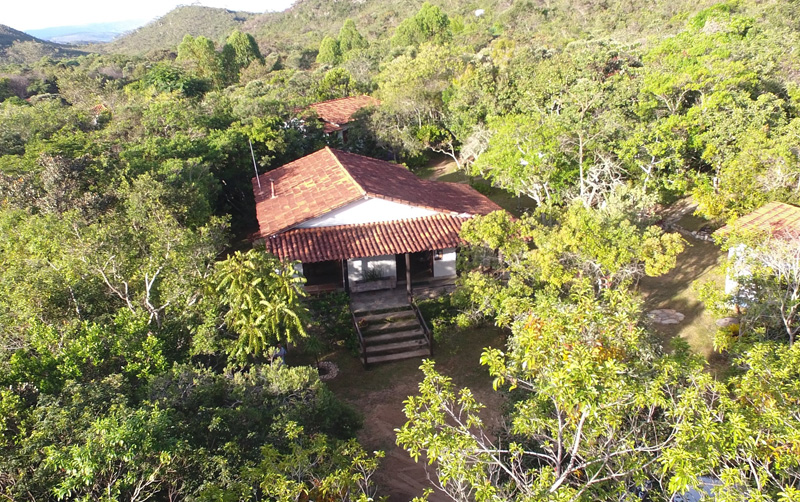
(18, 46)
(9, 35)
(167, 31)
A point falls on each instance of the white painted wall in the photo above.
(738, 272)
(368, 210)
(731, 285)
(356, 267)
(446, 267)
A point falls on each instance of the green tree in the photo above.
(331, 470)
(245, 49)
(202, 57)
(5, 90)
(337, 83)
(766, 269)
(587, 384)
(523, 157)
(329, 51)
(429, 24)
(168, 78)
(743, 432)
(605, 246)
(125, 455)
(350, 39)
(710, 117)
(145, 257)
(411, 89)
(263, 298)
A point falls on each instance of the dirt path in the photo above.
(678, 290)
(439, 165)
(379, 394)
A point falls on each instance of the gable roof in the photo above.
(329, 179)
(343, 242)
(774, 218)
(338, 112)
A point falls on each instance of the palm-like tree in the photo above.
(263, 295)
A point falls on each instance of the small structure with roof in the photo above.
(775, 220)
(360, 224)
(337, 114)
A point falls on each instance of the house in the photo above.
(337, 114)
(357, 223)
(775, 219)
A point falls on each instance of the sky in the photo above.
(39, 14)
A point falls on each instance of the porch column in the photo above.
(345, 278)
(408, 275)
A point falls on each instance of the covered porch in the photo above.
(372, 257)
(391, 274)
(398, 297)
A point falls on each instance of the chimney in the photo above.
(272, 187)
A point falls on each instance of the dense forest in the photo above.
(139, 326)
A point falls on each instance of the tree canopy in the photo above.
(137, 327)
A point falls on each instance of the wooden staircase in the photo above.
(392, 334)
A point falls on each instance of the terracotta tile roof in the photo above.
(775, 218)
(370, 239)
(338, 112)
(328, 179)
(308, 187)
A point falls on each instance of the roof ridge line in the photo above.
(347, 171)
(376, 195)
(438, 216)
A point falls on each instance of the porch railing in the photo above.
(425, 330)
(360, 338)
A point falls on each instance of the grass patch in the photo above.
(693, 223)
(510, 202)
(441, 168)
(700, 262)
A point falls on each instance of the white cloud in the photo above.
(52, 13)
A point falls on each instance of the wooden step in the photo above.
(393, 337)
(398, 356)
(390, 327)
(397, 346)
(387, 316)
(366, 311)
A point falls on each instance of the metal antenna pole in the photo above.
(255, 167)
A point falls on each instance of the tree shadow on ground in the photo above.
(700, 262)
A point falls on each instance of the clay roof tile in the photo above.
(329, 179)
(774, 218)
(370, 239)
(338, 112)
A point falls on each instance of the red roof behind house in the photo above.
(371, 239)
(329, 179)
(775, 218)
(338, 112)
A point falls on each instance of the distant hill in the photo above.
(9, 35)
(167, 31)
(94, 32)
(19, 47)
(308, 21)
